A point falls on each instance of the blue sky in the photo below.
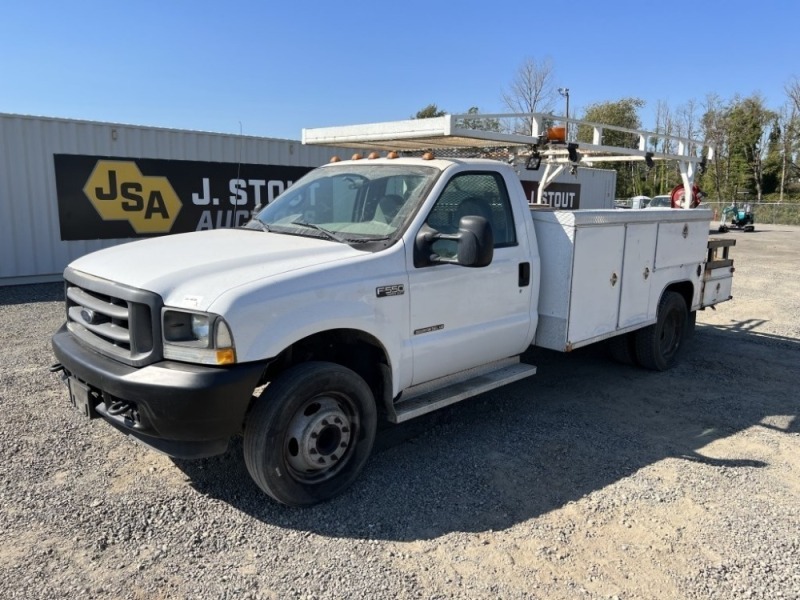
(276, 67)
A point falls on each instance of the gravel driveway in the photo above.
(589, 480)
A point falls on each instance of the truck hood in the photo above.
(191, 270)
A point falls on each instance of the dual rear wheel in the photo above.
(659, 346)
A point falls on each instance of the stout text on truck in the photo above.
(380, 288)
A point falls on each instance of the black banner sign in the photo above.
(563, 196)
(101, 197)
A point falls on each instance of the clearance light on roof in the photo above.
(335, 159)
(392, 154)
(373, 155)
(428, 156)
(356, 156)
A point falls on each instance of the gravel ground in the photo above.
(589, 480)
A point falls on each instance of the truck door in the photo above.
(462, 317)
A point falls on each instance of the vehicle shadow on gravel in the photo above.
(581, 424)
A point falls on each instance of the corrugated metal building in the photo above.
(71, 187)
(31, 244)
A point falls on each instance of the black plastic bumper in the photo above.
(184, 410)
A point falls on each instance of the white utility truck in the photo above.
(381, 287)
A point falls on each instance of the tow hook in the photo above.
(59, 369)
(119, 407)
(125, 410)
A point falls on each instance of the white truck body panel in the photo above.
(640, 239)
(268, 316)
(483, 314)
(717, 288)
(603, 271)
(191, 270)
(270, 288)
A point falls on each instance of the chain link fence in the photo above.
(772, 213)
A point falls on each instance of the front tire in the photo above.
(659, 346)
(310, 433)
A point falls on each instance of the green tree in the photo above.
(714, 122)
(429, 111)
(774, 157)
(477, 122)
(748, 122)
(790, 170)
(621, 113)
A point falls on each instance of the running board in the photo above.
(437, 394)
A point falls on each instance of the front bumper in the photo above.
(184, 410)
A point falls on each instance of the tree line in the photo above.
(755, 146)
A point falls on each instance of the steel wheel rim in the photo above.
(320, 438)
(669, 338)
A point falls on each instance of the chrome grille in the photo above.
(114, 320)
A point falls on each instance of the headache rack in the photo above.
(549, 142)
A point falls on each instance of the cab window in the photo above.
(476, 193)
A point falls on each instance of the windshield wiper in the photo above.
(382, 238)
(327, 232)
(263, 226)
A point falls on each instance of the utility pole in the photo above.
(565, 92)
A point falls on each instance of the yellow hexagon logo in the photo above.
(119, 192)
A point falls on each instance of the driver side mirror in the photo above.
(474, 244)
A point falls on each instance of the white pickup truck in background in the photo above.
(381, 287)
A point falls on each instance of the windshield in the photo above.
(349, 203)
(660, 202)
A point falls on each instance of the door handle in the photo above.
(524, 274)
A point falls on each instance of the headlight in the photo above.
(197, 338)
(200, 328)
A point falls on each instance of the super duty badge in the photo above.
(390, 290)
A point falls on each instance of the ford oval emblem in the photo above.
(88, 315)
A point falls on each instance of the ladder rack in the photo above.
(453, 131)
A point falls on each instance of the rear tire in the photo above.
(310, 433)
(623, 348)
(659, 346)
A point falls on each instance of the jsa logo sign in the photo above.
(119, 192)
(113, 197)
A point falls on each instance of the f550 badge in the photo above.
(384, 291)
(119, 192)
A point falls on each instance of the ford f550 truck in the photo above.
(381, 287)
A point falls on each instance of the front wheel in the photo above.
(659, 346)
(310, 433)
